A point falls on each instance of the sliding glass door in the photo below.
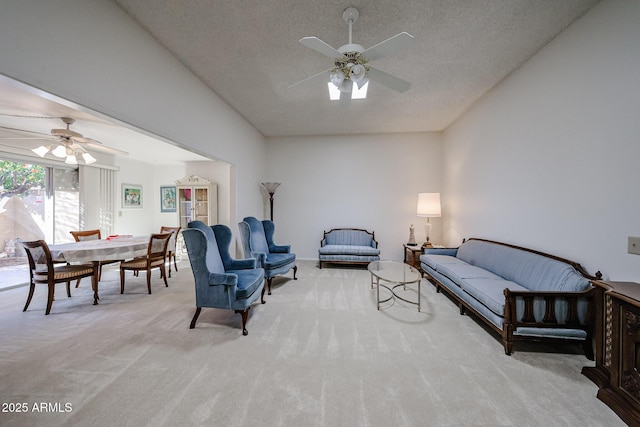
(36, 202)
(65, 205)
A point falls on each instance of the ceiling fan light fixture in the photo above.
(59, 151)
(337, 77)
(41, 151)
(360, 90)
(356, 92)
(334, 92)
(346, 86)
(71, 159)
(88, 158)
(358, 73)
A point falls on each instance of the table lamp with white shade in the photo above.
(428, 207)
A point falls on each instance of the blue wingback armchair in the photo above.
(220, 280)
(257, 242)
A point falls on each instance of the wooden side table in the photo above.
(412, 255)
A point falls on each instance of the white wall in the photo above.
(93, 54)
(549, 158)
(149, 219)
(364, 181)
(162, 176)
(136, 221)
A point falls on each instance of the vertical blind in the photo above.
(98, 198)
(107, 200)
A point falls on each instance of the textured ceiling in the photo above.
(248, 53)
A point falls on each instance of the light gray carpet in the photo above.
(318, 353)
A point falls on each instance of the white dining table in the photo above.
(94, 251)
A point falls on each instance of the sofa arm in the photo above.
(223, 279)
(242, 264)
(279, 249)
(260, 257)
(549, 300)
(440, 251)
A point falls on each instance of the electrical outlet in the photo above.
(633, 245)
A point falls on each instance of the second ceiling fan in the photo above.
(71, 144)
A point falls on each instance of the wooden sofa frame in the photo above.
(511, 322)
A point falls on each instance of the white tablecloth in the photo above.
(101, 250)
(123, 247)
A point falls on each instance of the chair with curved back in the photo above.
(82, 235)
(43, 270)
(173, 245)
(257, 242)
(220, 280)
(156, 257)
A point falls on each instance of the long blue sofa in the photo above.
(520, 293)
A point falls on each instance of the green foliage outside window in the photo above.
(18, 178)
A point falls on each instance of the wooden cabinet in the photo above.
(197, 200)
(617, 335)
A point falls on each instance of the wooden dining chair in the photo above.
(83, 235)
(43, 270)
(156, 258)
(172, 253)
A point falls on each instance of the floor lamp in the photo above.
(428, 207)
(271, 189)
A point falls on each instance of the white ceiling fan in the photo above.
(351, 61)
(70, 144)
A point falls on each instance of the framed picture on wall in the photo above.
(131, 196)
(168, 198)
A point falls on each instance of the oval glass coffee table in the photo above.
(393, 274)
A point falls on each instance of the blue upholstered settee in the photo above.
(348, 246)
(519, 293)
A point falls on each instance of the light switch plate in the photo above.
(633, 245)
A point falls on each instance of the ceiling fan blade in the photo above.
(320, 46)
(98, 146)
(40, 135)
(84, 140)
(388, 47)
(312, 77)
(23, 138)
(386, 79)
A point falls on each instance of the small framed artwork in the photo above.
(131, 196)
(168, 199)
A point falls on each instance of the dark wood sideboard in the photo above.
(617, 337)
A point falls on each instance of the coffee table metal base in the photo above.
(393, 275)
(392, 293)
